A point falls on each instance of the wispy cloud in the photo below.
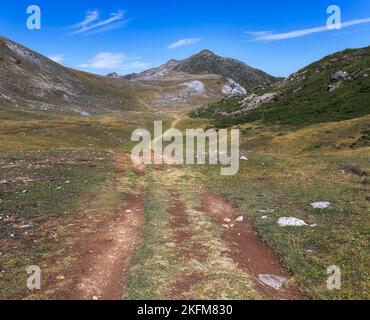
(183, 43)
(93, 24)
(105, 60)
(271, 36)
(258, 34)
(58, 58)
(136, 65)
(115, 62)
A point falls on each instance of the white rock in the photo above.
(272, 281)
(196, 86)
(95, 298)
(339, 75)
(227, 220)
(233, 88)
(267, 211)
(264, 217)
(320, 205)
(240, 219)
(291, 222)
(26, 226)
(244, 158)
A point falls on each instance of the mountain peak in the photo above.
(206, 52)
(207, 62)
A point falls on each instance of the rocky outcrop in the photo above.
(254, 101)
(233, 89)
(339, 75)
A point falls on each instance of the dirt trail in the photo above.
(105, 255)
(248, 250)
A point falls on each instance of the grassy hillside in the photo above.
(29, 80)
(309, 96)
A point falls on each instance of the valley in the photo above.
(100, 227)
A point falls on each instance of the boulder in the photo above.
(339, 75)
(272, 281)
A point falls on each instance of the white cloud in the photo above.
(136, 65)
(92, 23)
(183, 43)
(257, 34)
(105, 60)
(115, 62)
(270, 36)
(90, 17)
(58, 58)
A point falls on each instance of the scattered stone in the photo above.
(291, 222)
(128, 211)
(264, 217)
(339, 75)
(227, 220)
(334, 86)
(240, 219)
(267, 211)
(320, 205)
(25, 226)
(244, 158)
(95, 298)
(272, 281)
(60, 277)
(24, 191)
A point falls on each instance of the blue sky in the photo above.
(130, 36)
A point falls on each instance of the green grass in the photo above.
(288, 186)
(56, 186)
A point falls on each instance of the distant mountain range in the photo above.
(30, 80)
